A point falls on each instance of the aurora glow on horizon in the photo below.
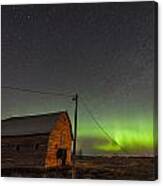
(105, 52)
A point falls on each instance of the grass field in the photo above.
(89, 167)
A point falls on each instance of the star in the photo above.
(28, 17)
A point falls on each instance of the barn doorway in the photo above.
(62, 155)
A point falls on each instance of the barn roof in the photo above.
(34, 124)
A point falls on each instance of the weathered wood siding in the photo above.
(38, 150)
(60, 137)
(24, 151)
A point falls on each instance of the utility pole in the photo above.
(75, 123)
(75, 98)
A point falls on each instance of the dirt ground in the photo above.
(123, 168)
(109, 168)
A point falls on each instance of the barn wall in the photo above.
(23, 151)
(62, 127)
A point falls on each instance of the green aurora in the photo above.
(133, 135)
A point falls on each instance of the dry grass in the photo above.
(128, 168)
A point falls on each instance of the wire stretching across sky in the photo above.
(98, 124)
(37, 91)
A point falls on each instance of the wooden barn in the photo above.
(41, 141)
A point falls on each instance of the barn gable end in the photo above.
(59, 138)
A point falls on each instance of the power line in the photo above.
(37, 91)
(107, 136)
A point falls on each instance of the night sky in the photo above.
(104, 52)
